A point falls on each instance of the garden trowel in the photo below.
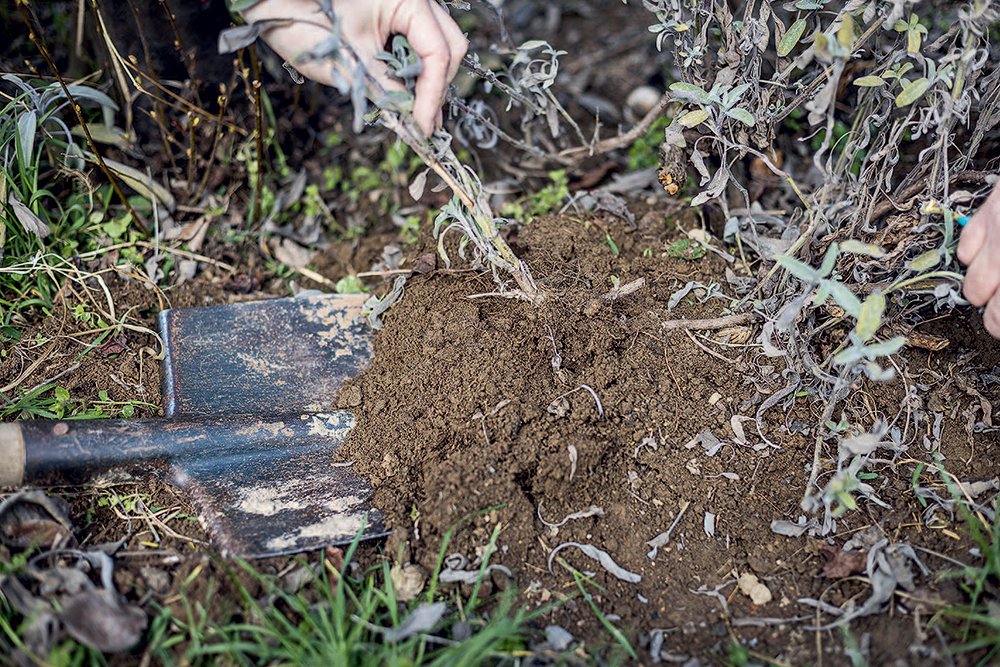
(250, 431)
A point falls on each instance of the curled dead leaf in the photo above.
(841, 563)
(99, 620)
(407, 580)
(30, 517)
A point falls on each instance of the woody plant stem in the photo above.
(454, 174)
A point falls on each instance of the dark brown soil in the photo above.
(455, 432)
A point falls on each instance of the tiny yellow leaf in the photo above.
(692, 118)
(870, 318)
(869, 81)
(791, 38)
(845, 35)
(925, 261)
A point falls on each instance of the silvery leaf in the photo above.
(600, 556)
(242, 36)
(423, 619)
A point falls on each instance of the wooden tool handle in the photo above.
(11, 455)
(80, 451)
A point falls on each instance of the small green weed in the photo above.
(547, 200)
(56, 405)
(129, 503)
(975, 624)
(686, 249)
(350, 285)
(336, 619)
(644, 153)
(50, 401)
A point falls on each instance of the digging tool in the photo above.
(249, 431)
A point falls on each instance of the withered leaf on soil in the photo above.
(31, 517)
(98, 619)
(573, 458)
(407, 580)
(706, 439)
(693, 467)
(291, 253)
(425, 263)
(797, 529)
(451, 576)
(376, 307)
(459, 570)
(888, 567)
(559, 407)
(840, 563)
(423, 619)
(709, 524)
(600, 408)
(648, 443)
(603, 557)
(593, 510)
(558, 639)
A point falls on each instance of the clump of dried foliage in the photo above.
(895, 99)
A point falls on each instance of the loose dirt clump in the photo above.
(489, 415)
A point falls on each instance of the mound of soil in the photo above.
(483, 415)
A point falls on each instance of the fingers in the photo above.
(979, 248)
(434, 36)
(983, 275)
(455, 37)
(972, 238)
(991, 318)
(974, 234)
(441, 45)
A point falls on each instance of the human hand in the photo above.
(979, 248)
(367, 25)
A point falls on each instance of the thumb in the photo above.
(971, 239)
(979, 227)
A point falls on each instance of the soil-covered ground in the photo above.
(464, 410)
(466, 423)
(490, 421)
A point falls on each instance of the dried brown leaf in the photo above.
(99, 620)
(840, 563)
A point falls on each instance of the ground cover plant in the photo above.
(738, 413)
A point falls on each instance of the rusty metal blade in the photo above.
(268, 358)
(262, 357)
(271, 502)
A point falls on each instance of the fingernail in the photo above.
(963, 219)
